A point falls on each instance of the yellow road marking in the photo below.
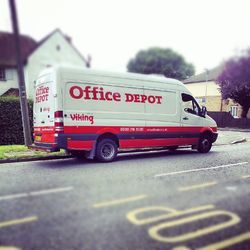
(154, 231)
(18, 221)
(245, 176)
(119, 201)
(167, 213)
(203, 185)
(227, 243)
(9, 248)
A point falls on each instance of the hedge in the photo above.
(11, 129)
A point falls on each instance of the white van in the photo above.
(99, 113)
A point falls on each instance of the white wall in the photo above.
(49, 54)
(11, 81)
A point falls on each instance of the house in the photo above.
(55, 48)
(207, 93)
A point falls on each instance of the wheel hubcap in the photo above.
(107, 151)
(205, 143)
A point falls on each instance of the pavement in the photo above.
(226, 136)
(232, 136)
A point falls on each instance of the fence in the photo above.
(225, 119)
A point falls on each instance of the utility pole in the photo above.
(206, 72)
(21, 82)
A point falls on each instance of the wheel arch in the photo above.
(108, 135)
(206, 132)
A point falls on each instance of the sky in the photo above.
(205, 32)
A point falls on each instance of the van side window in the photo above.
(190, 105)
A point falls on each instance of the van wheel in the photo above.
(205, 144)
(106, 150)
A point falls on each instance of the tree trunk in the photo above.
(244, 111)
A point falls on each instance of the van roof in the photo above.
(125, 75)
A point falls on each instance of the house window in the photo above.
(2, 74)
(234, 111)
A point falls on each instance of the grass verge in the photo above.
(21, 151)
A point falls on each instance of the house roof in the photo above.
(11, 92)
(211, 75)
(7, 48)
(68, 39)
(28, 46)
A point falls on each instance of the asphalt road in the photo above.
(161, 200)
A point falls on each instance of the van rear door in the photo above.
(43, 111)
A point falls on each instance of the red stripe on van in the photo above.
(80, 145)
(122, 129)
(139, 143)
(46, 129)
(128, 129)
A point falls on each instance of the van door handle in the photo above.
(42, 121)
(185, 118)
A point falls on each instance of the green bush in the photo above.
(11, 129)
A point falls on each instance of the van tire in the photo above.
(205, 143)
(106, 150)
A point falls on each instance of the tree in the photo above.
(161, 61)
(234, 81)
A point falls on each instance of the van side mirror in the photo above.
(203, 111)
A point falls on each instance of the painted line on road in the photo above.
(50, 191)
(201, 169)
(18, 221)
(13, 196)
(35, 193)
(119, 201)
(197, 186)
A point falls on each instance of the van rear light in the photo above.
(58, 122)
(58, 114)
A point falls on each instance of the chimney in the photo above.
(68, 38)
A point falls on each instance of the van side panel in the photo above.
(92, 109)
(137, 116)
